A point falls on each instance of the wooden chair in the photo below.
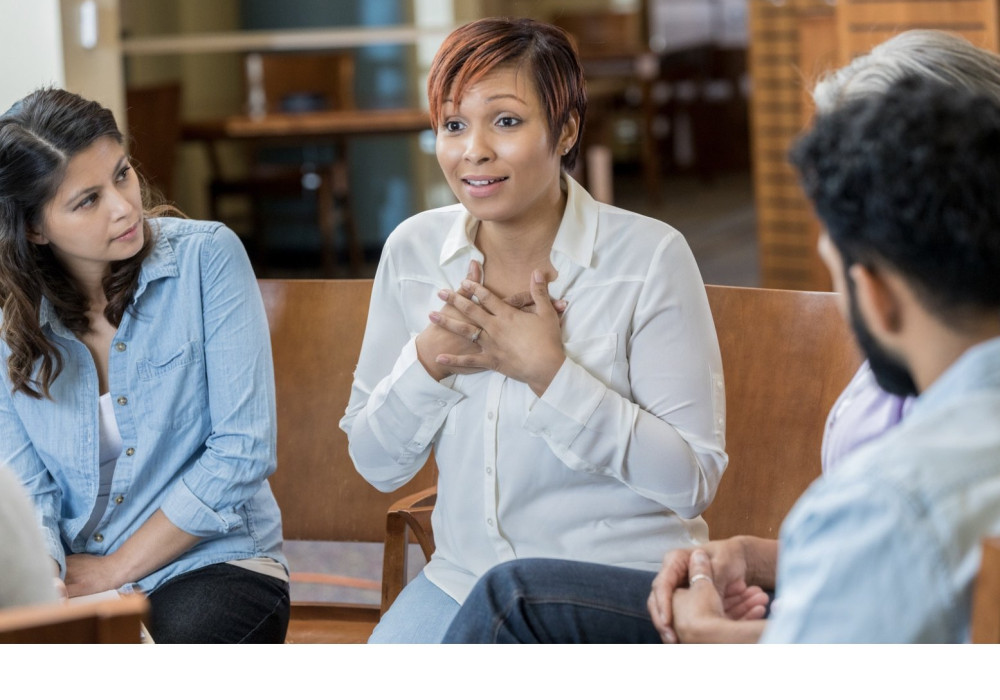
(296, 82)
(986, 595)
(116, 621)
(154, 127)
(786, 358)
(316, 331)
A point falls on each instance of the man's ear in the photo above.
(878, 300)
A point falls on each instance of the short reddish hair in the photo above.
(476, 48)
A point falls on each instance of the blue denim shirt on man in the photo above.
(192, 383)
(886, 548)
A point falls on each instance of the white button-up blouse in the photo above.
(614, 463)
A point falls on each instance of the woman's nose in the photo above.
(477, 149)
(121, 205)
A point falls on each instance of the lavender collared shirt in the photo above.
(863, 411)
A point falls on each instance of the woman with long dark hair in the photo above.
(137, 403)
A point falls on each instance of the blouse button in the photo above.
(129, 452)
(489, 521)
(98, 537)
(489, 470)
(122, 400)
(120, 346)
(119, 500)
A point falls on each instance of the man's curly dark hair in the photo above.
(910, 179)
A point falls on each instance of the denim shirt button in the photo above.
(122, 400)
(129, 452)
(120, 346)
(119, 500)
(98, 537)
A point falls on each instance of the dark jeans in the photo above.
(556, 601)
(221, 604)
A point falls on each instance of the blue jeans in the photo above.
(420, 615)
(220, 603)
(557, 602)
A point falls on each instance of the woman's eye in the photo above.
(123, 173)
(508, 121)
(452, 126)
(87, 201)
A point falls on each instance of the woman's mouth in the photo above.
(483, 186)
(129, 234)
(482, 182)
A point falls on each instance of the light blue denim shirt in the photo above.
(192, 384)
(886, 548)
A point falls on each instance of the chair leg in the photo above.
(394, 560)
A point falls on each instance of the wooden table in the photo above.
(311, 127)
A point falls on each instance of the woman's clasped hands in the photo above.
(519, 336)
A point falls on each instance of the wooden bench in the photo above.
(786, 357)
(986, 595)
(115, 621)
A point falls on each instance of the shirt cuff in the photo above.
(185, 510)
(56, 551)
(413, 394)
(569, 402)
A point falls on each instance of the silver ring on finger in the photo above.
(700, 577)
(475, 336)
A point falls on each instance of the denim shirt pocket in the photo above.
(173, 384)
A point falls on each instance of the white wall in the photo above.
(30, 48)
(97, 72)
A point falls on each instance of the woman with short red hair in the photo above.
(558, 354)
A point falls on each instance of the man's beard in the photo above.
(890, 372)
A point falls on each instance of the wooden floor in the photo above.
(339, 633)
(320, 631)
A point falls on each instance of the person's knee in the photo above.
(501, 585)
(507, 588)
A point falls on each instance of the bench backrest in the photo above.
(316, 331)
(786, 357)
